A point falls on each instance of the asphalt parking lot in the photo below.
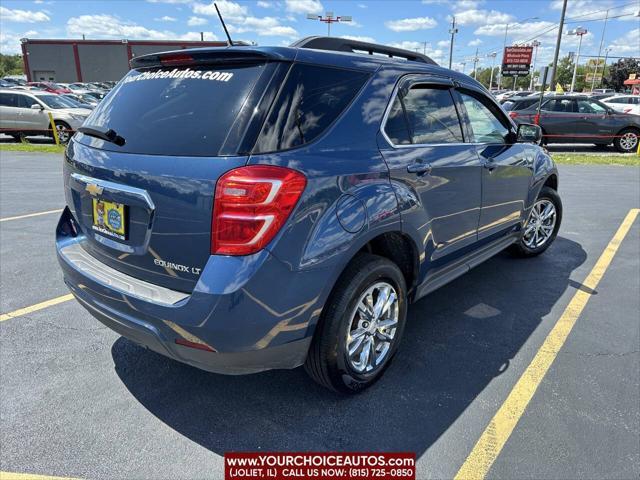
(77, 400)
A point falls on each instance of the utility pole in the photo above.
(493, 65)
(595, 70)
(329, 19)
(464, 64)
(475, 66)
(535, 45)
(202, 36)
(581, 32)
(558, 41)
(604, 66)
(453, 30)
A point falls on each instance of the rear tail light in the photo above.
(536, 119)
(251, 205)
(176, 59)
(513, 114)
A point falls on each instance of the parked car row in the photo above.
(24, 106)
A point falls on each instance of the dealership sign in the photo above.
(516, 61)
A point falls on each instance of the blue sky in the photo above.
(416, 24)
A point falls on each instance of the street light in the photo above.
(493, 65)
(581, 32)
(535, 44)
(453, 30)
(506, 32)
(329, 19)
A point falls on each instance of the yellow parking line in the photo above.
(28, 476)
(37, 214)
(35, 308)
(494, 437)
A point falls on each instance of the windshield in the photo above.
(56, 101)
(179, 111)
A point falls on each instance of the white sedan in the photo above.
(624, 103)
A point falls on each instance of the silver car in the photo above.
(26, 113)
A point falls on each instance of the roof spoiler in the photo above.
(205, 56)
(355, 46)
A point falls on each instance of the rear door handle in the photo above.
(419, 168)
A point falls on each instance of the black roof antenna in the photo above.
(229, 41)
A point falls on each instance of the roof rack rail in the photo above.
(356, 46)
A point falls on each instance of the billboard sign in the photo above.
(516, 61)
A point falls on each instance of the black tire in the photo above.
(520, 248)
(617, 142)
(60, 124)
(327, 362)
(19, 137)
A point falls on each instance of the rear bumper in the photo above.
(234, 309)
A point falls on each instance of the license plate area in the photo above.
(109, 218)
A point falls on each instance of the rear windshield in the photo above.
(174, 111)
(311, 98)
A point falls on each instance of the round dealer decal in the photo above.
(115, 219)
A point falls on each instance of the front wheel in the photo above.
(361, 326)
(542, 226)
(627, 140)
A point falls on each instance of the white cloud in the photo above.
(467, 4)
(229, 10)
(197, 21)
(362, 5)
(304, 6)
(108, 26)
(411, 24)
(359, 38)
(474, 43)
(481, 17)
(169, 1)
(10, 42)
(22, 16)
(195, 36)
(443, 43)
(265, 26)
(263, 4)
(628, 44)
(166, 18)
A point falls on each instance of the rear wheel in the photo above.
(64, 131)
(542, 226)
(361, 326)
(627, 140)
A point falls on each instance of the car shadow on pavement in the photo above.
(457, 340)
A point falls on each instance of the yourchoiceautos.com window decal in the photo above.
(181, 73)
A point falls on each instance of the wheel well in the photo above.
(399, 249)
(552, 182)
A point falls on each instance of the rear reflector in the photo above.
(197, 346)
(251, 205)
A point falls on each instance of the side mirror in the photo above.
(37, 106)
(529, 133)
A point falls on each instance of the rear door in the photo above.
(425, 150)
(9, 112)
(145, 206)
(559, 118)
(507, 166)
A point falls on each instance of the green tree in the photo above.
(619, 72)
(11, 65)
(564, 73)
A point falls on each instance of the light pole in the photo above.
(475, 66)
(581, 32)
(504, 45)
(453, 30)
(464, 64)
(535, 45)
(329, 19)
(493, 65)
(606, 56)
(595, 70)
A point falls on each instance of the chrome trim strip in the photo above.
(116, 187)
(99, 272)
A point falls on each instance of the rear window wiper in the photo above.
(103, 133)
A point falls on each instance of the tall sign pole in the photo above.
(552, 82)
(581, 32)
(595, 70)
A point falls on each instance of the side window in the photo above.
(396, 126)
(311, 98)
(486, 126)
(432, 116)
(9, 100)
(564, 105)
(24, 101)
(585, 106)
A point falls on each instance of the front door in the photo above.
(507, 166)
(32, 119)
(437, 176)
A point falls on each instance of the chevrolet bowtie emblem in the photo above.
(94, 189)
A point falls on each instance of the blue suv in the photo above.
(249, 208)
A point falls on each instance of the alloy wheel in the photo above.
(540, 225)
(63, 133)
(373, 326)
(629, 141)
